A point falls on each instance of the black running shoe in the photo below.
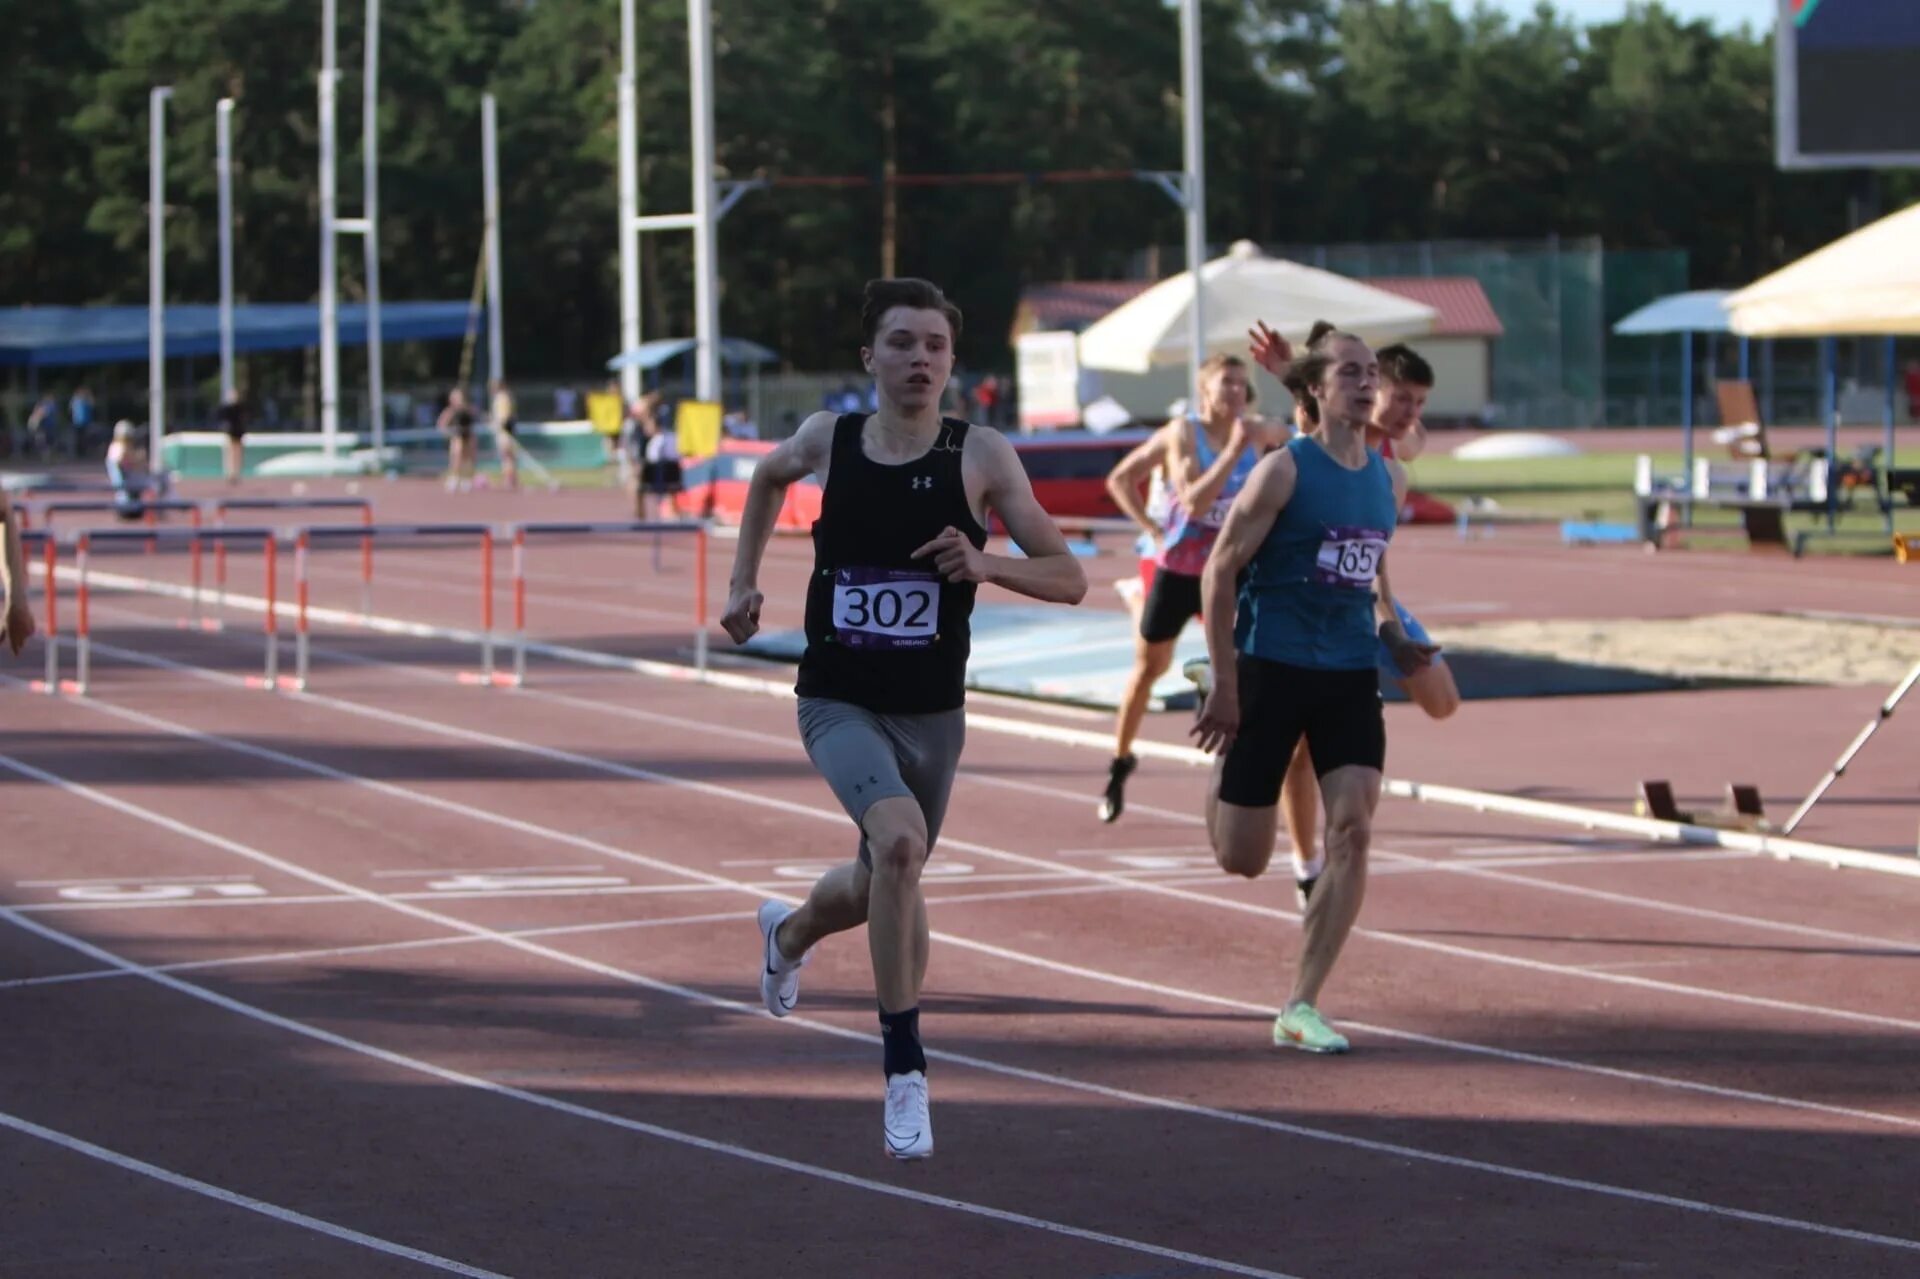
(1303, 890)
(1114, 802)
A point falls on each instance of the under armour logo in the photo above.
(923, 481)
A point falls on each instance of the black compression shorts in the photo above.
(1339, 712)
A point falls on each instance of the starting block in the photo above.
(1744, 809)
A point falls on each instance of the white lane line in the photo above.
(286, 1216)
(553, 930)
(1651, 902)
(934, 883)
(128, 879)
(690, 994)
(966, 846)
(1643, 901)
(437, 872)
(660, 1132)
(837, 818)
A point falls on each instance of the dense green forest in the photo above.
(1328, 121)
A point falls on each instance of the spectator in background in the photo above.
(1913, 390)
(504, 426)
(986, 394)
(566, 404)
(43, 425)
(232, 417)
(736, 425)
(127, 471)
(456, 423)
(80, 413)
(660, 477)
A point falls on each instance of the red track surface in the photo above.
(1572, 1057)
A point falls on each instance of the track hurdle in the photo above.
(82, 553)
(150, 511)
(521, 532)
(223, 505)
(367, 534)
(49, 621)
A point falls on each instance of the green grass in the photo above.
(1599, 487)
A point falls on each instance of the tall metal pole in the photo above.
(490, 183)
(329, 300)
(629, 203)
(223, 174)
(1195, 158)
(156, 272)
(706, 279)
(370, 210)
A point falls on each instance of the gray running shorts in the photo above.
(868, 755)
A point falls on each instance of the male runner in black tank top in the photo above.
(897, 559)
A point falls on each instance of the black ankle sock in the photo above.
(900, 1040)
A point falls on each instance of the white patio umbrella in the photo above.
(1242, 287)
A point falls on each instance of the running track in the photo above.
(399, 977)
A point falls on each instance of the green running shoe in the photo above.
(1300, 1026)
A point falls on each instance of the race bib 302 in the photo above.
(1350, 557)
(883, 608)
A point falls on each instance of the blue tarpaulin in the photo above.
(42, 336)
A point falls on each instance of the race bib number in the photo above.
(881, 608)
(1350, 557)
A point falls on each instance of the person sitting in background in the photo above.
(127, 471)
(736, 425)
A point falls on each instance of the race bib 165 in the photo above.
(1350, 557)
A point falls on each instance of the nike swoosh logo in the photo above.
(901, 1147)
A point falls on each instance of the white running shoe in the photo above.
(779, 976)
(909, 1125)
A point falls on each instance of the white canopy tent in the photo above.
(1240, 288)
(1866, 283)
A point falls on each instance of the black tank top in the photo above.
(884, 630)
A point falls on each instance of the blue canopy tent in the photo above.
(1701, 311)
(734, 352)
(37, 337)
(651, 355)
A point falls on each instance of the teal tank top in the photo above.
(1308, 595)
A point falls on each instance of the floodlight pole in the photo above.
(223, 175)
(629, 205)
(490, 182)
(329, 299)
(156, 272)
(703, 221)
(370, 243)
(1195, 189)
(706, 290)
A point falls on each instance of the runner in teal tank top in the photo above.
(1398, 433)
(1297, 658)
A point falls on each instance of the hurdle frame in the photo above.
(221, 506)
(367, 534)
(576, 528)
(82, 550)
